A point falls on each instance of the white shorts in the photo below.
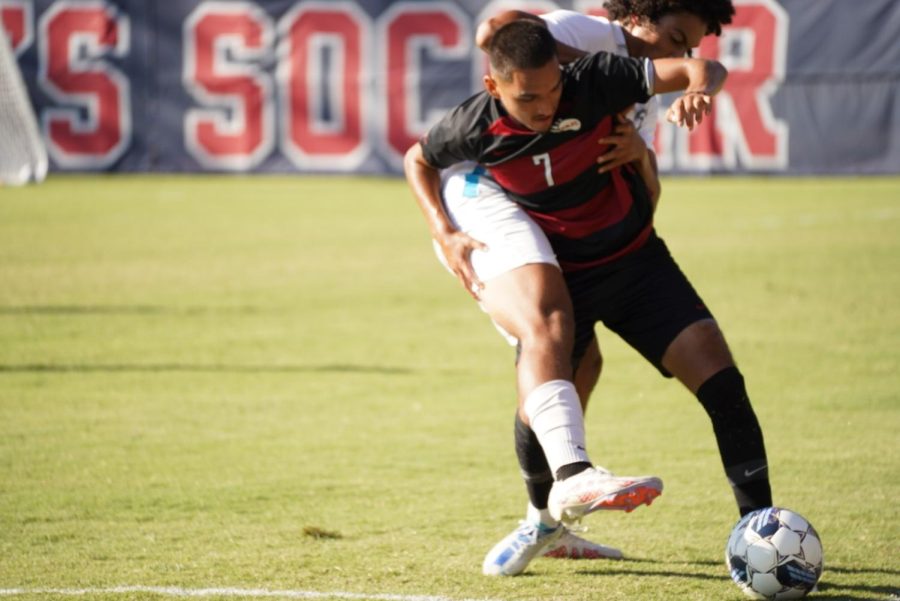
(478, 206)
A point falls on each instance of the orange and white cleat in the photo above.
(595, 489)
(570, 546)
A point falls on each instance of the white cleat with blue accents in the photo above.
(512, 555)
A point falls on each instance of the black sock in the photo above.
(533, 463)
(739, 437)
(570, 469)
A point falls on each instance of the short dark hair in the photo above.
(714, 13)
(518, 45)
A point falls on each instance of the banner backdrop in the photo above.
(346, 86)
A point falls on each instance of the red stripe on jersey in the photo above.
(527, 175)
(629, 248)
(507, 126)
(606, 208)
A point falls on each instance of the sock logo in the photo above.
(748, 473)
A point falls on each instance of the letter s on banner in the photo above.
(75, 37)
(225, 46)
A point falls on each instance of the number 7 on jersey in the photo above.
(544, 159)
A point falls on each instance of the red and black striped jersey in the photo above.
(590, 218)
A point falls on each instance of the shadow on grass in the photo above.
(125, 310)
(855, 591)
(843, 570)
(713, 570)
(199, 368)
(635, 566)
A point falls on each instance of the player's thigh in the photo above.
(651, 302)
(530, 302)
(478, 206)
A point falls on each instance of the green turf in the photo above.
(270, 383)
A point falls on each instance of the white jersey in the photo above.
(596, 34)
(478, 206)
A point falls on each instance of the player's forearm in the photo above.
(688, 74)
(425, 183)
(486, 29)
(649, 172)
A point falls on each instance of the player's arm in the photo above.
(425, 182)
(627, 146)
(486, 29)
(649, 170)
(625, 83)
(699, 79)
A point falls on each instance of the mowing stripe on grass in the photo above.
(172, 591)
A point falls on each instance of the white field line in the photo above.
(776, 222)
(171, 591)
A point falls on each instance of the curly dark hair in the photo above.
(714, 13)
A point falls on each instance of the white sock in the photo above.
(555, 415)
(540, 517)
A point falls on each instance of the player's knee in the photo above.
(708, 337)
(553, 328)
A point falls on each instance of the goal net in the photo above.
(23, 157)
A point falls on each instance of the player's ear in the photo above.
(490, 84)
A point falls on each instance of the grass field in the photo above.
(269, 384)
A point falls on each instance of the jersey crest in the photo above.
(561, 125)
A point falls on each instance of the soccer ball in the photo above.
(774, 553)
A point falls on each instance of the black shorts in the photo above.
(643, 297)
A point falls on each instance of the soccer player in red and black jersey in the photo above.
(536, 129)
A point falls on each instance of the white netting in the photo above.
(23, 157)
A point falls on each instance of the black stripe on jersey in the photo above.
(602, 243)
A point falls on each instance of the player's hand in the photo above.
(457, 248)
(626, 145)
(688, 110)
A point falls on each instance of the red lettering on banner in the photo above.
(16, 19)
(75, 37)
(224, 46)
(495, 7)
(742, 129)
(595, 8)
(322, 81)
(408, 28)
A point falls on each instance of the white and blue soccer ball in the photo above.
(774, 553)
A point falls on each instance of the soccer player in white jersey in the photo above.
(502, 257)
